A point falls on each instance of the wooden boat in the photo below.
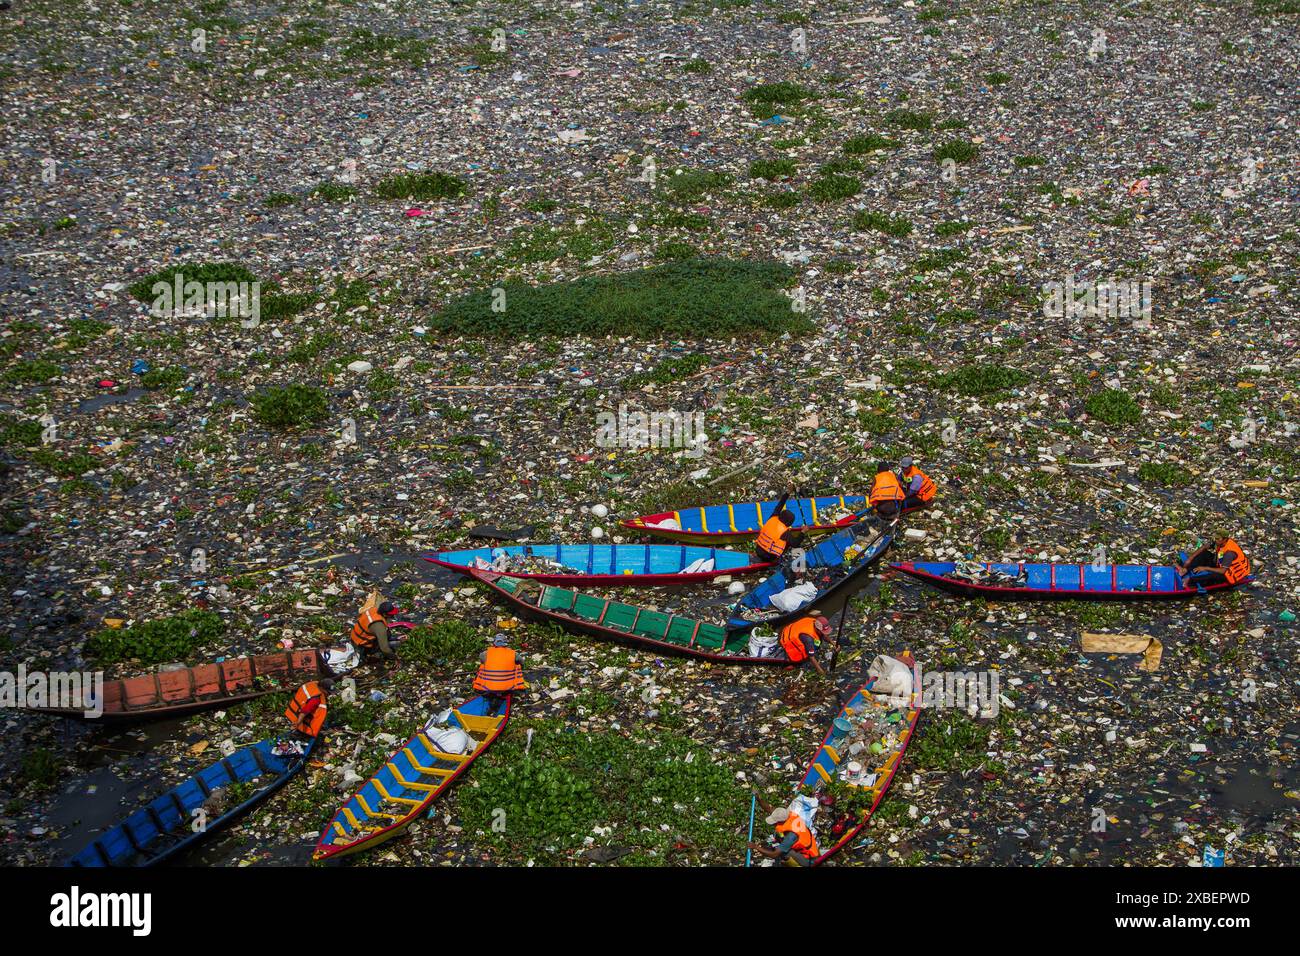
(607, 563)
(875, 717)
(739, 523)
(1061, 582)
(609, 620)
(176, 692)
(828, 555)
(828, 763)
(166, 826)
(408, 783)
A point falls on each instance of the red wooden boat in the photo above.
(176, 692)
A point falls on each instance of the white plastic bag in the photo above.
(763, 643)
(892, 677)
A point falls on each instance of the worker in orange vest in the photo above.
(1219, 561)
(370, 633)
(917, 485)
(795, 840)
(800, 639)
(306, 710)
(499, 673)
(775, 534)
(887, 494)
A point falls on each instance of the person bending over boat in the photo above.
(917, 485)
(795, 840)
(370, 633)
(774, 537)
(1219, 561)
(306, 710)
(887, 494)
(499, 673)
(800, 639)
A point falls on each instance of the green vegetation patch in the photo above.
(31, 372)
(204, 272)
(1164, 473)
(426, 187)
(958, 150)
(1114, 406)
(870, 143)
(692, 299)
(909, 119)
(772, 168)
(157, 642)
(687, 186)
(830, 187)
(896, 226)
(667, 799)
(980, 379)
(669, 370)
(443, 642)
(290, 407)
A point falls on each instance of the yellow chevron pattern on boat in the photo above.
(379, 785)
(474, 722)
(408, 784)
(438, 754)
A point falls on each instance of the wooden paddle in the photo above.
(835, 654)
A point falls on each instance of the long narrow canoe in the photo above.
(874, 719)
(1062, 582)
(407, 784)
(827, 558)
(175, 692)
(605, 563)
(739, 523)
(170, 824)
(625, 623)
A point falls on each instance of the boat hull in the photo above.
(327, 850)
(1069, 582)
(851, 582)
(578, 625)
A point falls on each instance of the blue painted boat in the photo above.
(830, 556)
(1062, 582)
(740, 522)
(167, 826)
(605, 563)
(409, 782)
(893, 727)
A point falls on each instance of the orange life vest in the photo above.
(770, 536)
(928, 487)
(805, 842)
(361, 636)
(790, 638)
(499, 672)
(306, 711)
(1239, 569)
(886, 488)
